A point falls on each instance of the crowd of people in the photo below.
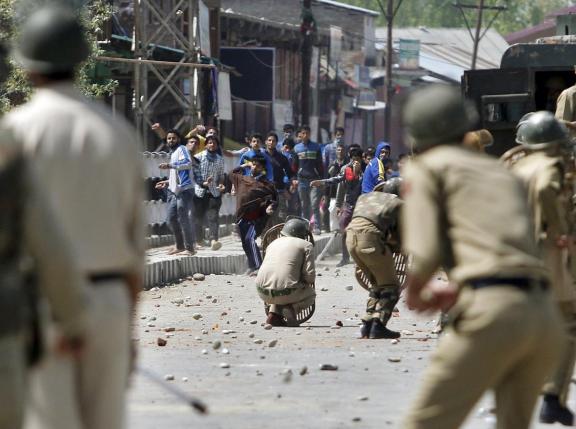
(319, 182)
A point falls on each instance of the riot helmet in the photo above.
(541, 130)
(52, 40)
(390, 186)
(438, 114)
(296, 227)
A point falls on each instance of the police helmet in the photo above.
(52, 40)
(296, 227)
(438, 114)
(390, 186)
(541, 130)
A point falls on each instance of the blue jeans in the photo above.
(180, 218)
(310, 201)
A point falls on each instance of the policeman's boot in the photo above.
(553, 411)
(378, 331)
(365, 329)
(275, 319)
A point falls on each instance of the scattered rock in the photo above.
(214, 301)
(178, 301)
(324, 289)
(151, 325)
(394, 341)
(241, 319)
(216, 345)
(328, 367)
(258, 341)
(394, 359)
(326, 269)
(251, 335)
(349, 287)
(304, 370)
(356, 419)
(204, 352)
(258, 372)
(224, 365)
(339, 323)
(363, 398)
(225, 351)
(196, 316)
(185, 379)
(204, 332)
(351, 354)
(272, 343)
(406, 332)
(253, 322)
(168, 377)
(267, 326)
(287, 376)
(199, 277)
(224, 314)
(161, 342)
(169, 329)
(152, 319)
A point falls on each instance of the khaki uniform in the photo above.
(465, 212)
(28, 227)
(287, 273)
(367, 240)
(88, 162)
(566, 105)
(543, 176)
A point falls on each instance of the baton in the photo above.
(177, 392)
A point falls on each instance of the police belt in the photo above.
(273, 293)
(106, 277)
(526, 284)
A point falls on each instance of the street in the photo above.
(246, 383)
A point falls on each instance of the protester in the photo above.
(375, 172)
(256, 200)
(309, 168)
(281, 169)
(208, 192)
(180, 186)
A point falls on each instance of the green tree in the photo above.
(94, 14)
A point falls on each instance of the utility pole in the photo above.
(389, 13)
(477, 37)
(307, 28)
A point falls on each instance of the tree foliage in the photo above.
(94, 14)
(441, 13)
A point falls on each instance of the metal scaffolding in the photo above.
(171, 25)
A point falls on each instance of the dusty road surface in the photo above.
(219, 351)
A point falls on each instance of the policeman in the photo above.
(28, 232)
(465, 212)
(566, 107)
(372, 236)
(88, 162)
(286, 277)
(543, 171)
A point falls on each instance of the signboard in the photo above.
(255, 66)
(409, 54)
(335, 44)
(314, 128)
(367, 97)
(204, 24)
(224, 97)
(369, 38)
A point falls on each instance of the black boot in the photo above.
(553, 411)
(378, 330)
(365, 329)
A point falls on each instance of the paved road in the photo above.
(367, 390)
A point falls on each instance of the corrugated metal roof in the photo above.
(546, 28)
(457, 40)
(350, 7)
(448, 51)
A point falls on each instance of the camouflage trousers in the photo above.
(374, 257)
(381, 303)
